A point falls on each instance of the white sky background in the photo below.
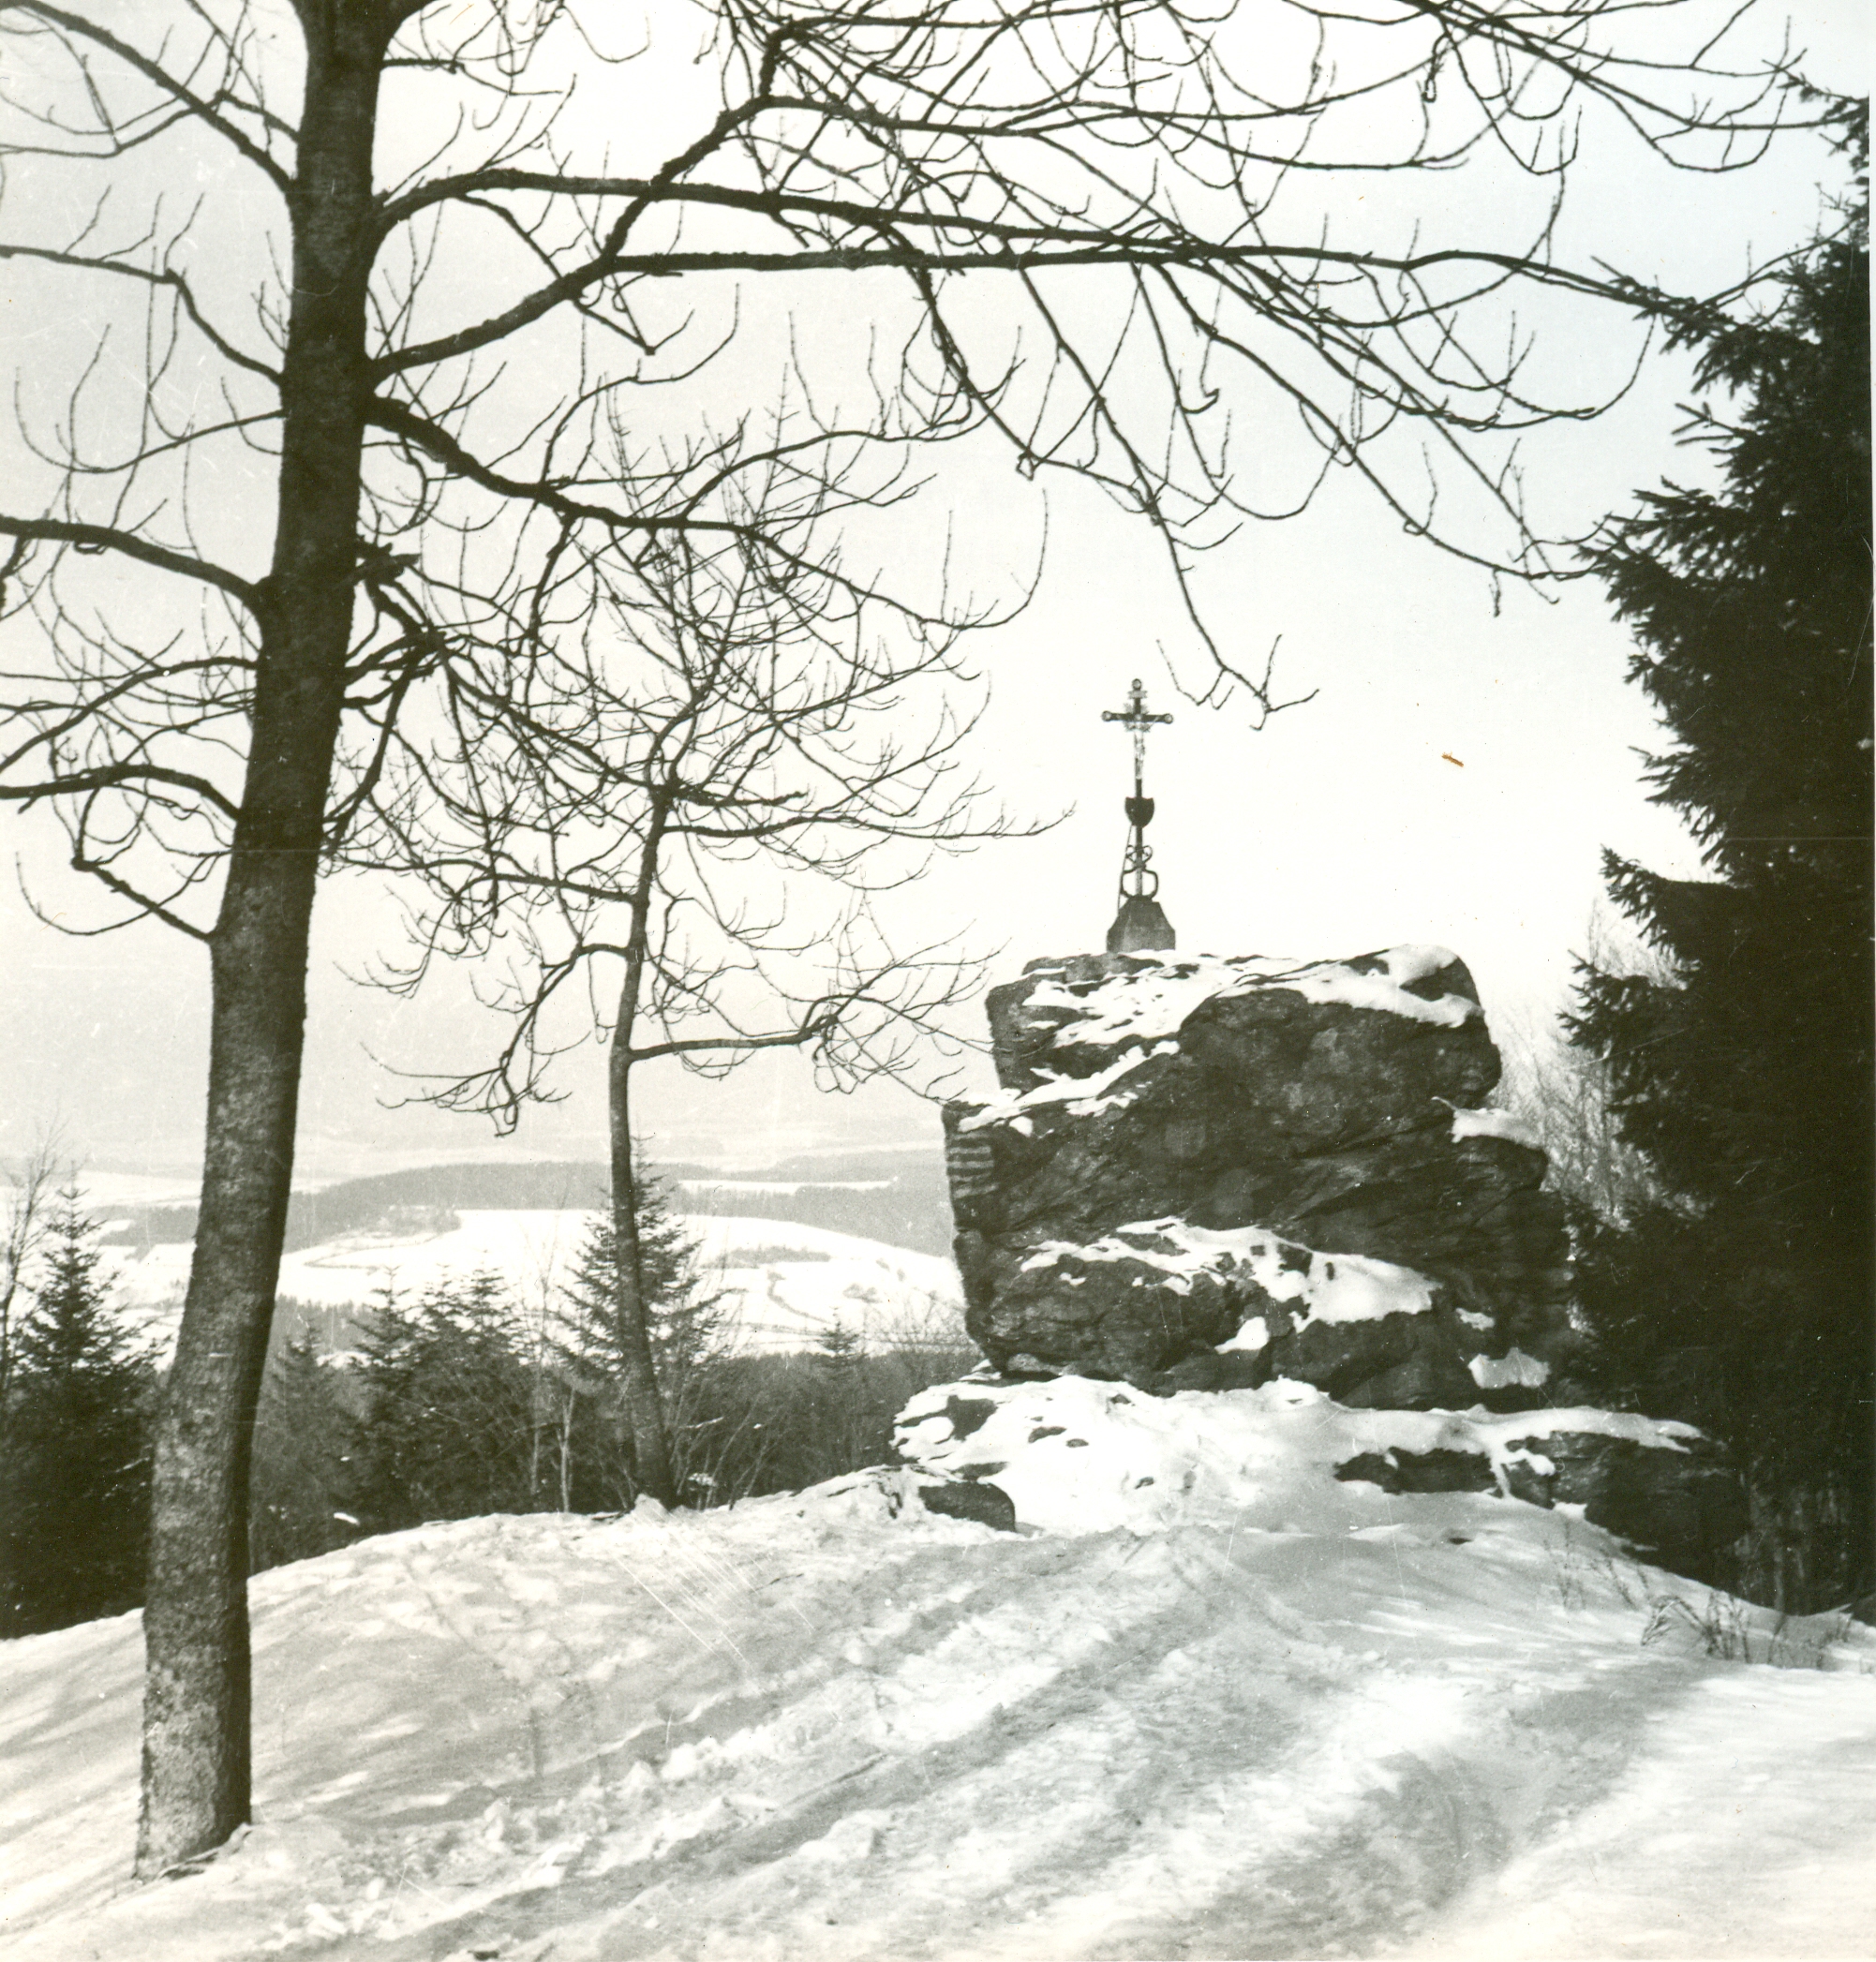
(1340, 828)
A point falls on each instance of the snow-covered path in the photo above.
(810, 1729)
(1745, 1824)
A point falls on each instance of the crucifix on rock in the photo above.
(1140, 926)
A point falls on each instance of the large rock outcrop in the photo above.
(1205, 1172)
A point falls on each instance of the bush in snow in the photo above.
(779, 1423)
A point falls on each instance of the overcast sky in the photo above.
(1454, 779)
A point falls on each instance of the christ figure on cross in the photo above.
(1140, 926)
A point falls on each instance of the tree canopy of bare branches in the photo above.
(702, 787)
(363, 316)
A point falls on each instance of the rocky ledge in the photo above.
(1072, 1455)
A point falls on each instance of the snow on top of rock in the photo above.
(1079, 1456)
(1494, 1123)
(1388, 990)
(1143, 1008)
(1328, 1287)
(1081, 1097)
(1665, 1433)
(1150, 1001)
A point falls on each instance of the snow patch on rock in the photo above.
(1079, 1096)
(1327, 1287)
(1514, 1370)
(1495, 1123)
(1077, 1456)
(1149, 1003)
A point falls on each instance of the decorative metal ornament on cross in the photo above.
(1140, 926)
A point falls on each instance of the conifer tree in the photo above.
(27, 1191)
(848, 1427)
(302, 1463)
(449, 1413)
(1745, 1074)
(75, 1511)
(686, 1324)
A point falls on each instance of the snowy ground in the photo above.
(784, 1284)
(1287, 1717)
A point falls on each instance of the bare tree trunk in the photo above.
(197, 1755)
(567, 1452)
(643, 1406)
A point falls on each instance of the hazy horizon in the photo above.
(1467, 757)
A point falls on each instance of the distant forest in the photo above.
(904, 1201)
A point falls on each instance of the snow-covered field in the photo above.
(784, 1284)
(1285, 1716)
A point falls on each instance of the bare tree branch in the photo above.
(206, 111)
(129, 544)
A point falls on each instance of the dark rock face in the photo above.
(971, 1499)
(1679, 1504)
(1421, 1471)
(1682, 1509)
(1186, 1149)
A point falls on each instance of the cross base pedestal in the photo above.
(1140, 926)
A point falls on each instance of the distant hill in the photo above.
(900, 1197)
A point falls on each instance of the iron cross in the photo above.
(1137, 722)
